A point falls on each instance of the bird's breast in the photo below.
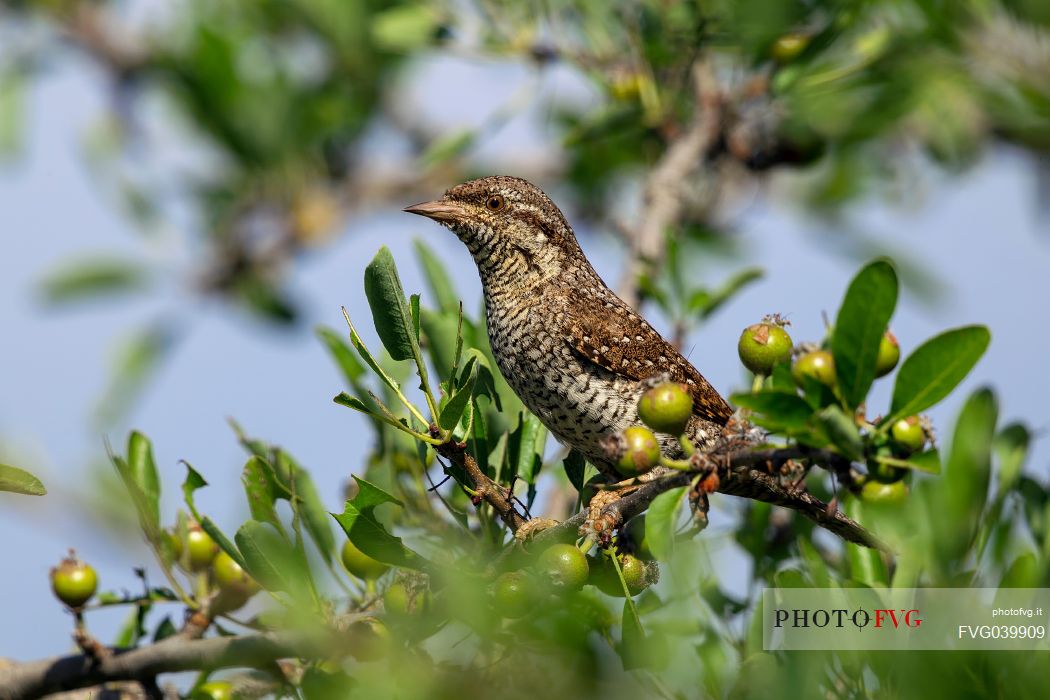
(579, 402)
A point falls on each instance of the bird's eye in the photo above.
(495, 202)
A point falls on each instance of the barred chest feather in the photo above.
(579, 402)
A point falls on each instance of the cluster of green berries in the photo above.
(665, 408)
(563, 568)
(763, 346)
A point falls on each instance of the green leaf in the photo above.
(935, 368)
(143, 471)
(390, 311)
(136, 359)
(441, 288)
(525, 447)
(269, 558)
(865, 564)
(359, 521)
(842, 431)
(859, 326)
(313, 512)
(91, 279)
(352, 369)
(164, 629)
(782, 408)
(928, 461)
(457, 404)
(439, 331)
(707, 302)
(633, 642)
(1011, 449)
(447, 147)
(345, 399)
(575, 469)
(260, 489)
(17, 480)
(367, 356)
(220, 538)
(660, 523)
(190, 484)
(404, 28)
(969, 465)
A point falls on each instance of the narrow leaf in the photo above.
(660, 522)
(441, 288)
(92, 279)
(260, 490)
(859, 326)
(390, 311)
(457, 404)
(143, 472)
(781, 407)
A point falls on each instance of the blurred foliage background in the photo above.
(241, 137)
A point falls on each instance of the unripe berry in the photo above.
(641, 451)
(231, 577)
(893, 493)
(603, 576)
(401, 601)
(564, 566)
(762, 346)
(818, 365)
(514, 595)
(788, 47)
(908, 433)
(666, 408)
(73, 581)
(213, 690)
(200, 548)
(889, 354)
(369, 640)
(360, 564)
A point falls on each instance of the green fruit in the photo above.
(788, 47)
(176, 544)
(514, 595)
(882, 493)
(908, 433)
(400, 601)
(818, 365)
(200, 548)
(564, 566)
(73, 581)
(213, 690)
(231, 577)
(886, 473)
(666, 408)
(641, 451)
(889, 354)
(369, 640)
(762, 346)
(360, 564)
(604, 577)
(637, 542)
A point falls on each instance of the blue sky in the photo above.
(980, 233)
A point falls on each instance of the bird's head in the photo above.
(509, 225)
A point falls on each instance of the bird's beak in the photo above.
(439, 210)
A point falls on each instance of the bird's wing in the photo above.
(609, 334)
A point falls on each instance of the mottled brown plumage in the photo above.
(574, 352)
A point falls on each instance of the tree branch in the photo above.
(737, 477)
(37, 678)
(499, 497)
(664, 203)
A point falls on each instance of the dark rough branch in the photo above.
(37, 678)
(737, 477)
(499, 497)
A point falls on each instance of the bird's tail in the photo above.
(751, 483)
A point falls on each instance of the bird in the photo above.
(576, 354)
